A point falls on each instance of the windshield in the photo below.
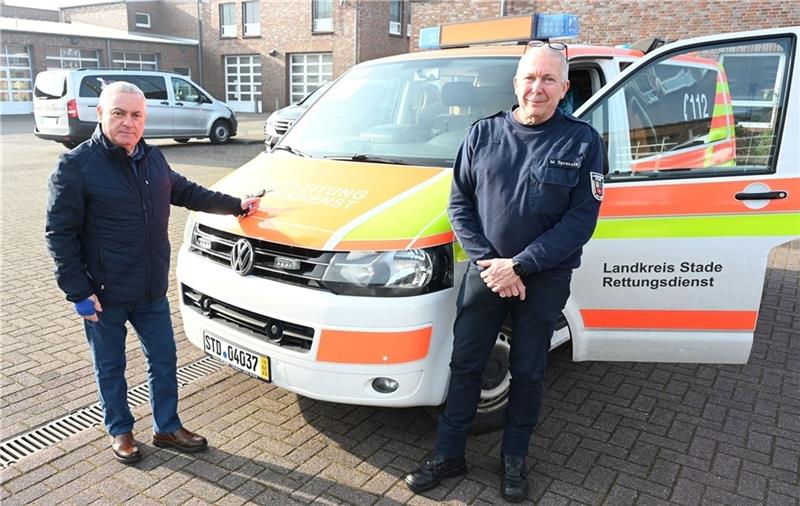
(413, 112)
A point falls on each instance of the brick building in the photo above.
(621, 21)
(31, 46)
(254, 55)
(271, 53)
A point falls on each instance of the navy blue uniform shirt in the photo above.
(526, 192)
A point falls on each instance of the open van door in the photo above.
(704, 180)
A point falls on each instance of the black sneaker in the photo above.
(433, 470)
(514, 483)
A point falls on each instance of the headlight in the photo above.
(269, 127)
(389, 273)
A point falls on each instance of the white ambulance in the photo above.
(342, 286)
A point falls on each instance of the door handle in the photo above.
(164, 102)
(179, 103)
(778, 194)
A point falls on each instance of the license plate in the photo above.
(49, 121)
(251, 363)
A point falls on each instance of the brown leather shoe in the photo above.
(182, 440)
(125, 449)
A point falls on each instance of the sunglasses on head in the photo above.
(558, 46)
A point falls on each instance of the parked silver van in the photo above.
(64, 102)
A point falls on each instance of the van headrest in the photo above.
(459, 93)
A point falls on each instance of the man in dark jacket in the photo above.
(107, 231)
(527, 186)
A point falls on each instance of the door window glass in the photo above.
(678, 116)
(185, 91)
(153, 87)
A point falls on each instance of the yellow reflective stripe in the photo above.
(407, 218)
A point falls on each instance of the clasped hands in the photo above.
(499, 276)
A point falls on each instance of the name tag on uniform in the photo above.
(564, 164)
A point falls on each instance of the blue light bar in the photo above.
(429, 38)
(555, 26)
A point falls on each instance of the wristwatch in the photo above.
(519, 269)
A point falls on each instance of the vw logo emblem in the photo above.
(242, 257)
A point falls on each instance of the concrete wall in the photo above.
(113, 15)
(13, 11)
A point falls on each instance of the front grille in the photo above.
(271, 330)
(310, 265)
(282, 125)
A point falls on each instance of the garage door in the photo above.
(16, 85)
(308, 72)
(243, 82)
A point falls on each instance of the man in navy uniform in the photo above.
(107, 230)
(527, 186)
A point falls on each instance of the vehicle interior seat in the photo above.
(460, 97)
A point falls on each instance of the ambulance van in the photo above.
(342, 286)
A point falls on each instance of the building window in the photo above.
(308, 72)
(250, 17)
(243, 81)
(136, 61)
(322, 13)
(408, 19)
(71, 58)
(395, 17)
(227, 20)
(15, 74)
(184, 71)
(143, 20)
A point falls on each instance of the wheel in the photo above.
(496, 379)
(70, 144)
(220, 132)
(182, 140)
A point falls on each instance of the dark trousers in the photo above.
(106, 337)
(480, 315)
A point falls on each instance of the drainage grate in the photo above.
(23, 445)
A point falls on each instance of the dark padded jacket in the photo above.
(107, 229)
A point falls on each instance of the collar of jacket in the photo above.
(100, 138)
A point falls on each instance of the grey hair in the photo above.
(561, 56)
(119, 87)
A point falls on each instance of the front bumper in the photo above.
(355, 339)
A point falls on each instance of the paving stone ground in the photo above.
(610, 433)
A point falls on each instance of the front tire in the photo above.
(220, 132)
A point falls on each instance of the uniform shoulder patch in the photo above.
(597, 186)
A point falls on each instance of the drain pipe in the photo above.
(502, 8)
(200, 46)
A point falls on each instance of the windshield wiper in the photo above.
(368, 159)
(295, 152)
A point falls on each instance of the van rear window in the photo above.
(154, 87)
(50, 86)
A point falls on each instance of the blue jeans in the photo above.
(153, 324)
(480, 315)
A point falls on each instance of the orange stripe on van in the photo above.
(667, 319)
(396, 244)
(354, 347)
(694, 199)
